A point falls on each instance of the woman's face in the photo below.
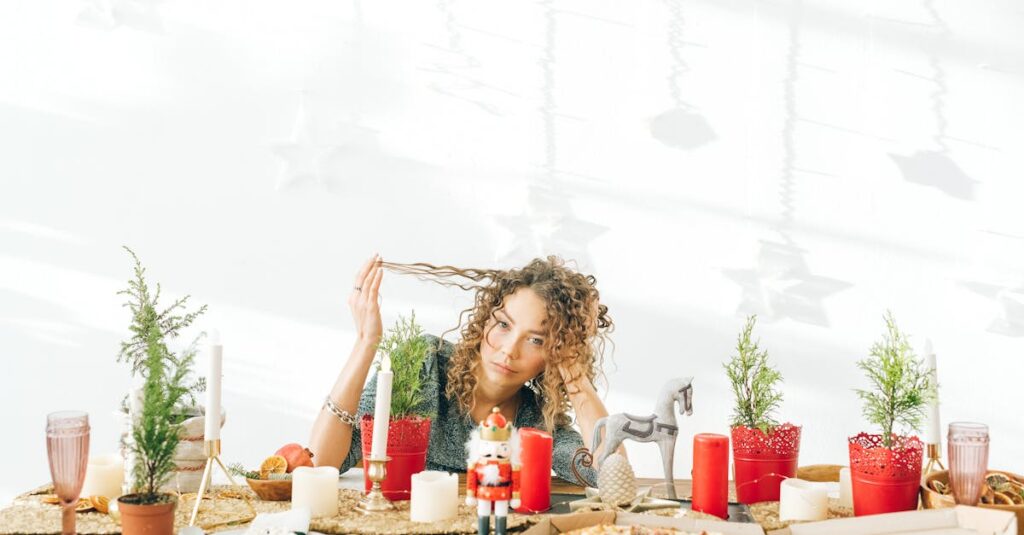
(512, 351)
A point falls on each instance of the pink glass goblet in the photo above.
(67, 445)
(968, 460)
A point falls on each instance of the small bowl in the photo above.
(934, 500)
(271, 490)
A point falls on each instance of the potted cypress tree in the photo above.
(167, 398)
(409, 428)
(170, 321)
(764, 452)
(147, 510)
(885, 468)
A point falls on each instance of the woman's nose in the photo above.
(509, 349)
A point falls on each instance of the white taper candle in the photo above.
(213, 378)
(932, 422)
(382, 410)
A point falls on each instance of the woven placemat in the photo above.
(767, 514)
(234, 507)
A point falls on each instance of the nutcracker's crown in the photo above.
(495, 427)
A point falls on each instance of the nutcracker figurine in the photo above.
(492, 472)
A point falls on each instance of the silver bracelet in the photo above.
(342, 414)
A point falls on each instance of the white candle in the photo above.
(382, 410)
(435, 496)
(932, 431)
(845, 488)
(316, 489)
(213, 377)
(802, 500)
(104, 476)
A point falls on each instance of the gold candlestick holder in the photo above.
(374, 501)
(934, 459)
(212, 448)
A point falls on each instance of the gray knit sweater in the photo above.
(450, 429)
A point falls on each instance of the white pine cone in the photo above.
(616, 482)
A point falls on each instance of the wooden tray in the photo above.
(933, 500)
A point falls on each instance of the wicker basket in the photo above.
(271, 490)
(934, 500)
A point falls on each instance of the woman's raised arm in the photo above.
(331, 438)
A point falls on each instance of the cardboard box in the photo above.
(562, 523)
(959, 520)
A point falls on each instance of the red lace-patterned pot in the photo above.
(408, 439)
(885, 480)
(762, 460)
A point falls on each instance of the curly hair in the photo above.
(578, 325)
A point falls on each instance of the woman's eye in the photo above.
(537, 341)
(503, 324)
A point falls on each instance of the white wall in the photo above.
(815, 162)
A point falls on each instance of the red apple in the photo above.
(296, 455)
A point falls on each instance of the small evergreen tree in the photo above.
(901, 387)
(753, 383)
(407, 348)
(167, 392)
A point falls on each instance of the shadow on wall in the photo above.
(781, 285)
(107, 15)
(548, 223)
(1010, 321)
(679, 127)
(935, 168)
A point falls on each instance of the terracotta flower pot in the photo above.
(139, 519)
(408, 439)
(885, 480)
(761, 461)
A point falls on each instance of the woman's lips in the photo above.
(501, 368)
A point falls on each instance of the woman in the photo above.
(532, 347)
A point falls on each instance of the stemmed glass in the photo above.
(968, 460)
(67, 445)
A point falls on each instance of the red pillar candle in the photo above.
(711, 474)
(535, 473)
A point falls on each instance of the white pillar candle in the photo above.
(845, 488)
(932, 431)
(435, 496)
(104, 476)
(316, 489)
(802, 500)
(213, 377)
(382, 410)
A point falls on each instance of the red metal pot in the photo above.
(408, 440)
(884, 480)
(761, 461)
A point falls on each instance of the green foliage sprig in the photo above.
(156, 433)
(901, 387)
(753, 383)
(238, 469)
(169, 323)
(407, 348)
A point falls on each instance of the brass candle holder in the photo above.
(374, 501)
(934, 459)
(212, 448)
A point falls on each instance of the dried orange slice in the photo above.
(275, 464)
(83, 505)
(51, 499)
(100, 503)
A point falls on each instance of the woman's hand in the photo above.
(362, 301)
(574, 378)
